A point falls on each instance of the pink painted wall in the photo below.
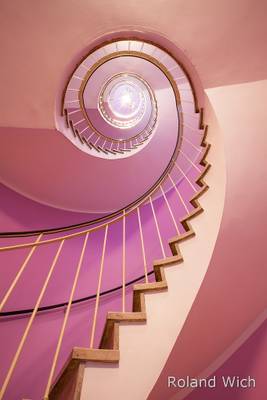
(181, 21)
(233, 292)
(19, 213)
(249, 360)
(79, 326)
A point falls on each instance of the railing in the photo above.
(166, 200)
(89, 136)
(88, 263)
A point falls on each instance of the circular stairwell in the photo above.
(90, 277)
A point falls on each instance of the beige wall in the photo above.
(145, 347)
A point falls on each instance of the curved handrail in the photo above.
(131, 207)
(156, 185)
(77, 301)
(125, 213)
(138, 305)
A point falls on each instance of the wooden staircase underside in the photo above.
(69, 381)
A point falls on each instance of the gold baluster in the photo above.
(142, 243)
(49, 382)
(28, 327)
(185, 176)
(157, 227)
(123, 260)
(98, 287)
(22, 268)
(170, 210)
(179, 195)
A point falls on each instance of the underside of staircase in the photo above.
(68, 383)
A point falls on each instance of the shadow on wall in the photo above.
(19, 213)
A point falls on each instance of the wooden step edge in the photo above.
(127, 316)
(79, 136)
(101, 149)
(110, 336)
(98, 355)
(200, 192)
(70, 377)
(72, 127)
(206, 147)
(168, 261)
(94, 147)
(66, 114)
(196, 211)
(187, 235)
(201, 118)
(174, 242)
(110, 151)
(139, 302)
(160, 273)
(205, 135)
(73, 370)
(207, 167)
(150, 287)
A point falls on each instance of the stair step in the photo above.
(168, 261)
(150, 287)
(71, 375)
(126, 316)
(101, 355)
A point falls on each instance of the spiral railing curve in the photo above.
(91, 269)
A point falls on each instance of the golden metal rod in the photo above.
(142, 243)
(190, 161)
(49, 382)
(98, 287)
(185, 176)
(22, 268)
(193, 145)
(179, 195)
(27, 329)
(123, 260)
(170, 210)
(157, 227)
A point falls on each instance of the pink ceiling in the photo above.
(39, 39)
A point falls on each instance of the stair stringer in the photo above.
(141, 306)
(145, 347)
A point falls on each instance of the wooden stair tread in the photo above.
(71, 374)
(126, 316)
(182, 237)
(153, 286)
(101, 355)
(168, 261)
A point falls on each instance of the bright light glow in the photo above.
(123, 101)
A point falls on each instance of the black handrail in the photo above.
(77, 301)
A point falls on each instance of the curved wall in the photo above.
(233, 293)
(149, 344)
(82, 22)
(19, 213)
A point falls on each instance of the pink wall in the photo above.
(249, 360)
(29, 285)
(233, 293)
(210, 22)
(18, 213)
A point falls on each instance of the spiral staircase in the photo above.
(122, 253)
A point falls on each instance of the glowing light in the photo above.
(122, 101)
